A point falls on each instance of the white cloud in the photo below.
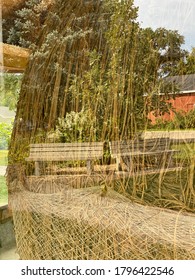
(171, 14)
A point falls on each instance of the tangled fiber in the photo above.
(90, 64)
(83, 224)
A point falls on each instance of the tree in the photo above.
(186, 65)
(24, 26)
(121, 63)
(167, 44)
(9, 90)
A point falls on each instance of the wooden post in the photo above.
(89, 167)
(170, 160)
(118, 163)
(37, 168)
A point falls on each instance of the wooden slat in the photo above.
(141, 142)
(139, 145)
(62, 150)
(65, 151)
(140, 153)
(91, 144)
(65, 154)
(54, 158)
(68, 155)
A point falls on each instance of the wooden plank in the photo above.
(140, 148)
(54, 149)
(138, 144)
(141, 153)
(78, 144)
(141, 145)
(68, 153)
(127, 142)
(45, 158)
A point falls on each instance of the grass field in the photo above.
(3, 157)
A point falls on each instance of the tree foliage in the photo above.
(181, 120)
(23, 29)
(5, 135)
(186, 65)
(105, 66)
(9, 90)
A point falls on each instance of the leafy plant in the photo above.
(3, 191)
(9, 90)
(76, 126)
(5, 134)
(184, 120)
(181, 120)
(27, 23)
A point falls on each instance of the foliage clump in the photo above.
(9, 90)
(76, 127)
(25, 25)
(93, 59)
(181, 120)
(5, 135)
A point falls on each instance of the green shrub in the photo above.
(3, 191)
(76, 127)
(5, 134)
(182, 120)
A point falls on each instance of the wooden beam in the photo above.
(15, 59)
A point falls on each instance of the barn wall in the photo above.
(184, 102)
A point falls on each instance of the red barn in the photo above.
(183, 99)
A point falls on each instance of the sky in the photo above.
(171, 14)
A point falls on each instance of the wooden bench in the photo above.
(65, 152)
(140, 149)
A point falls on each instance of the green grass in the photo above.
(3, 191)
(3, 157)
(187, 151)
(3, 187)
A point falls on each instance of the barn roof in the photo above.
(184, 83)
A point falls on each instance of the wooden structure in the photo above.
(15, 59)
(65, 152)
(182, 97)
(141, 149)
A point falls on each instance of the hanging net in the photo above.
(85, 83)
(81, 224)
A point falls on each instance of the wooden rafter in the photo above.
(15, 58)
